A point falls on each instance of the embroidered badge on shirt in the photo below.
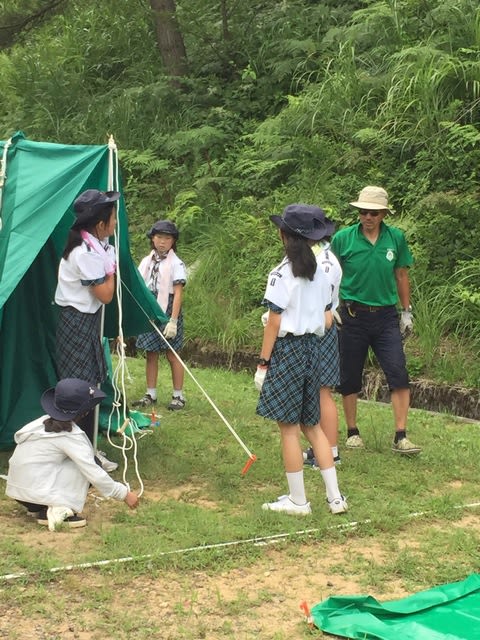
(390, 255)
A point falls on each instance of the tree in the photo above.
(20, 17)
(169, 37)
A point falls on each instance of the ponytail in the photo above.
(300, 255)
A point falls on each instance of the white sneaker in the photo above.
(339, 505)
(284, 504)
(107, 465)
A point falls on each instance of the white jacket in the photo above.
(56, 469)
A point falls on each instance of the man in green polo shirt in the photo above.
(375, 258)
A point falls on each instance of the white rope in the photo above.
(3, 175)
(257, 541)
(231, 429)
(119, 406)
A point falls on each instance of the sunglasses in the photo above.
(366, 212)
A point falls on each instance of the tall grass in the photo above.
(447, 328)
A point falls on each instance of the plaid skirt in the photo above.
(79, 347)
(291, 390)
(330, 358)
(151, 341)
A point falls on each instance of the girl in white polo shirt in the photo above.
(298, 297)
(86, 281)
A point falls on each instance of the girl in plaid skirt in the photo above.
(86, 281)
(298, 298)
(165, 276)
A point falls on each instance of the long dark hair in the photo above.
(101, 214)
(57, 426)
(300, 255)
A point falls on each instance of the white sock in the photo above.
(177, 393)
(331, 483)
(296, 487)
(152, 393)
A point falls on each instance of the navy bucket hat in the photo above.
(305, 220)
(71, 397)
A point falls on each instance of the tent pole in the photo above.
(97, 407)
(112, 149)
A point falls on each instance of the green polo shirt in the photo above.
(369, 269)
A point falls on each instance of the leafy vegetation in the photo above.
(279, 102)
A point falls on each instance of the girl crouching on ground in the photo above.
(53, 464)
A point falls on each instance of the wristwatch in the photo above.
(262, 362)
(409, 308)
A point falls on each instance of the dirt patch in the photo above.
(258, 601)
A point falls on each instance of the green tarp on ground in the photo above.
(447, 612)
(42, 181)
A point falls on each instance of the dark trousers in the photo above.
(379, 329)
(31, 506)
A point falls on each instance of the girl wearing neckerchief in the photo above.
(165, 276)
(86, 281)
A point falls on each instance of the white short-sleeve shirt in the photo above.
(303, 301)
(331, 266)
(178, 272)
(76, 275)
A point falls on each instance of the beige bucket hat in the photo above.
(372, 198)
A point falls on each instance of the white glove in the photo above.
(337, 317)
(406, 323)
(170, 330)
(265, 318)
(56, 515)
(260, 377)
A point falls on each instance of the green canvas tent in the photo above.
(40, 182)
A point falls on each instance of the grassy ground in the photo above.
(196, 500)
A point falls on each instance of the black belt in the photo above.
(353, 305)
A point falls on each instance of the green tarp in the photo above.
(447, 612)
(42, 181)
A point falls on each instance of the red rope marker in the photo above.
(304, 607)
(249, 463)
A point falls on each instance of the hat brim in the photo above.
(370, 205)
(321, 230)
(48, 404)
(85, 212)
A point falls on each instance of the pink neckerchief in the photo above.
(106, 251)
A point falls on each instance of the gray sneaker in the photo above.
(354, 442)
(176, 404)
(106, 464)
(405, 447)
(145, 401)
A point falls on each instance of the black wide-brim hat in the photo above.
(88, 202)
(163, 226)
(71, 397)
(305, 220)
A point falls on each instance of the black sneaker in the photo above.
(309, 459)
(42, 517)
(74, 522)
